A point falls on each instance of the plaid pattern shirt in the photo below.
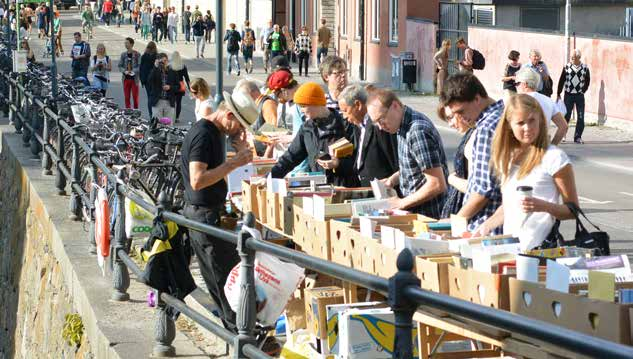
(482, 179)
(303, 43)
(420, 148)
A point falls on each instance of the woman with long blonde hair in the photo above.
(180, 68)
(537, 179)
(441, 63)
(101, 66)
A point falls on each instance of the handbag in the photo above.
(183, 87)
(585, 239)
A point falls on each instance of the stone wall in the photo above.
(33, 293)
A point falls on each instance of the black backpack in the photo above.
(479, 61)
(233, 41)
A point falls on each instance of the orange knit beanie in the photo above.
(310, 94)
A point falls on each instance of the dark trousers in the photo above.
(304, 56)
(187, 33)
(216, 257)
(321, 51)
(179, 104)
(149, 105)
(106, 17)
(577, 99)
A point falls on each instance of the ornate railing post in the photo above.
(246, 313)
(93, 197)
(16, 100)
(75, 171)
(23, 113)
(120, 274)
(60, 180)
(36, 126)
(402, 307)
(46, 136)
(165, 328)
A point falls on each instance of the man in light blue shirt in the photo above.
(539, 66)
(264, 44)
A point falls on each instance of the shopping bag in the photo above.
(275, 281)
(138, 221)
(560, 107)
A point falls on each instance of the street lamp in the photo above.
(219, 76)
(567, 24)
(51, 16)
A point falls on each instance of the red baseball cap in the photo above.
(280, 79)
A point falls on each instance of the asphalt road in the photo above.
(603, 166)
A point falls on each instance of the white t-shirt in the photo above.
(533, 229)
(547, 104)
(201, 105)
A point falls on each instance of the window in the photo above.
(358, 23)
(393, 21)
(540, 18)
(315, 15)
(343, 14)
(304, 12)
(375, 20)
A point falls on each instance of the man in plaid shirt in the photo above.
(423, 171)
(467, 98)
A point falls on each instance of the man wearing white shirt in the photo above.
(264, 44)
(172, 25)
(527, 81)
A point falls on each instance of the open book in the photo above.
(381, 191)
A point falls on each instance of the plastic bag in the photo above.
(275, 281)
(560, 107)
(138, 221)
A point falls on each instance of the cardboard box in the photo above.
(341, 234)
(261, 204)
(295, 315)
(249, 198)
(299, 225)
(433, 272)
(606, 320)
(369, 333)
(286, 213)
(333, 312)
(487, 289)
(317, 239)
(272, 210)
(316, 300)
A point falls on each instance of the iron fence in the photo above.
(403, 290)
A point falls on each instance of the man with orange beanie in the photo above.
(321, 128)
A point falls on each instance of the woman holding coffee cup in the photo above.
(536, 177)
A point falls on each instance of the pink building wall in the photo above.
(610, 63)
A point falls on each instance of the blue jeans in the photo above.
(172, 34)
(233, 56)
(321, 51)
(187, 33)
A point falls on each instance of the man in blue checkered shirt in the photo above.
(467, 98)
(423, 171)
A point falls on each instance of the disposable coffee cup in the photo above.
(525, 191)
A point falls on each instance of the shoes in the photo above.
(579, 141)
(238, 73)
(271, 346)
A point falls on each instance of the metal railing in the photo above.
(402, 290)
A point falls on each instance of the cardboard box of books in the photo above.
(333, 312)
(433, 272)
(487, 289)
(369, 334)
(316, 300)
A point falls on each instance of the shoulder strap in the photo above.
(577, 212)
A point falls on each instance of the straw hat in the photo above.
(243, 107)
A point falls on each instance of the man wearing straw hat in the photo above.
(203, 170)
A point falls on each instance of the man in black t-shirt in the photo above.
(203, 170)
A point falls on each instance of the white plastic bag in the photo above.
(138, 221)
(275, 281)
(560, 107)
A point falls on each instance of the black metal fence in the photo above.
(402, 290)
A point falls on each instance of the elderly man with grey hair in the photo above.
(376, 150)
(527, 81)
(536, 64)
(575, 79)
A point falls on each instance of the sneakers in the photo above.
(579, 141)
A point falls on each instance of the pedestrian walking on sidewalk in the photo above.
(129, 65)
(536, 64)
(163, 85)
(183, 80)
(186, 24)
(147, 64)
(164, 33)
(466, 64)
(264, 44)
(117, 13)
(196, 13)
(290, 43)
(324, 35)
(172, 25)
(198, 28)
(42, 21)
(277, 42)
(575, 79)
(146, 23)
(101, 67)
(233, 39)
(136, 16)
(157, 25)
(57, 26)
(107, 9)
(509, 73)
(87, 21)
(210, 26)
(522, 156)
(303, 49)
(441, 65)
(248, 46)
